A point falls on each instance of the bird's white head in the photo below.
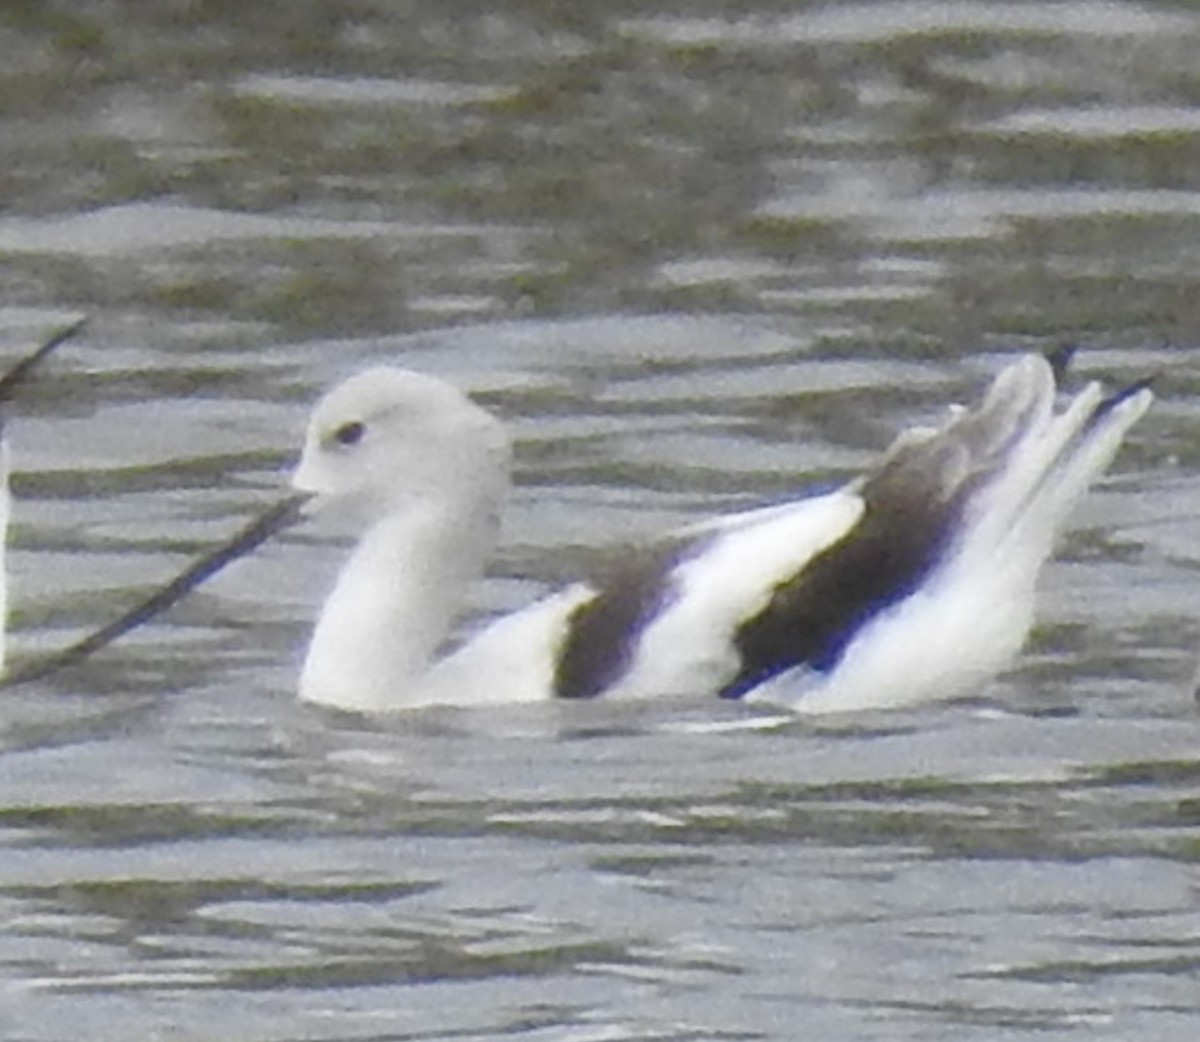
(387, 439)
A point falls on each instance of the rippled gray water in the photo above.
(697, 254)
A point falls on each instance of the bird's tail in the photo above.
(1030, 464)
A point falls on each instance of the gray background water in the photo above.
(697, 254)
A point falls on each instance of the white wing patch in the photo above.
(688, 648)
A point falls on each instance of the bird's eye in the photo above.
(350, 433)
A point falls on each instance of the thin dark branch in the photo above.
(280, 516)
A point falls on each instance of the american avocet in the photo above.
(914, 582)
(9, 383)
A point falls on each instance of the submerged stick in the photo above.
(280, 516)
(18, 373)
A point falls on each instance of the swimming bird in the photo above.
(913, 582)
(9, 383)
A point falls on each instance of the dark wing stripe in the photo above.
(1060, 359)
(911, 507)
(602, 633)
(1115, 399)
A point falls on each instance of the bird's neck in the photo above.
(393, 605)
